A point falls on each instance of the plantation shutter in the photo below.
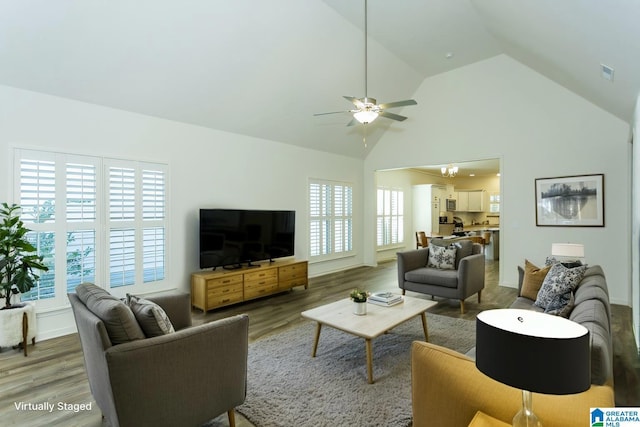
(153, 235)
(81, 214)
(122, 233)
(330, 218)
(93, 219)
(390, 217)
(38, 200)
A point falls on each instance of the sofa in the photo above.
(463, 278)
(590, 308)
(448, 389)
(147, 365)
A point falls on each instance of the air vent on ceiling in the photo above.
(607, 72)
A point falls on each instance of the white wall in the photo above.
(499, 108)
(635, 229)
(208, 168)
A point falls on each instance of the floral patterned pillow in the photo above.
(557, 287)
(442, 257)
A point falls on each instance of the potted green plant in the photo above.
(359, 298)
(18, 257)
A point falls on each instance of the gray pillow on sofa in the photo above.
(152, 318)
(556, 292)
(117, 317)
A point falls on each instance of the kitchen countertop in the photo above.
(490, 227)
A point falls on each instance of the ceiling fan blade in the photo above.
(398, 104)
(353, 122)
(392, 116)
(355, 101)
(331, 112)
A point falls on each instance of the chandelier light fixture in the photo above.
(449, 171)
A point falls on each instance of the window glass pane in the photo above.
(390, 220)
(45, 244)
(339, 236)
(153, 194)
(387, 202)
(325, 201)
(325, 236)
(348, 235)
(122, 257)
(338, 200)
(81, 258)
(121, 194)
(329, 218)
(66, 195)
(153, 254)
(37, 190)
(81, 192)
(314, 237)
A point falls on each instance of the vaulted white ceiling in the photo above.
(262, 68)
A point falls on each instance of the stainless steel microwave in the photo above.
(451, 205)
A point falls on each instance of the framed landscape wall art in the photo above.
(570, 201)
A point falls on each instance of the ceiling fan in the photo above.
(367, 109)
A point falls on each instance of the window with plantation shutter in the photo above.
(389, 217)
(137, 196)
(81, 192)
(122, 257)
(122, 194)
(37, 198)
(37, 190)
(330, 218)
(153, 215)
(81, 212)
(93, 219)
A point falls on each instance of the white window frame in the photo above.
(337, 241)
(389, 217)
(61, 226)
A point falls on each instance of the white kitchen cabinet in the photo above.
(472, 201)
(463, 201)
(475, 201)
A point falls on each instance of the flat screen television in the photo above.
(231, 237)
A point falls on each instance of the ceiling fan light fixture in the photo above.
(365, 116)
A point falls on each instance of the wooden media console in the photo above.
(212, 289)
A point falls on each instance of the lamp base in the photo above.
(523, 419)
(526, 417)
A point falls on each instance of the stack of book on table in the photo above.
(385, 298)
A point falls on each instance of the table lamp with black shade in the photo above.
(534, 352)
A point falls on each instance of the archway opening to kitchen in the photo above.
(463, 202)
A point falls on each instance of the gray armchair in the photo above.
(183, 378)
(465, 280)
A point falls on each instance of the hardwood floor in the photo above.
(54, 371)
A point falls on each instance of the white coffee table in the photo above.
(377, 321)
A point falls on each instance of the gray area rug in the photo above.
(287, 387)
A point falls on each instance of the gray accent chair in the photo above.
(185, 378)
(467, 278)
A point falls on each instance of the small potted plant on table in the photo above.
(359, 298)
